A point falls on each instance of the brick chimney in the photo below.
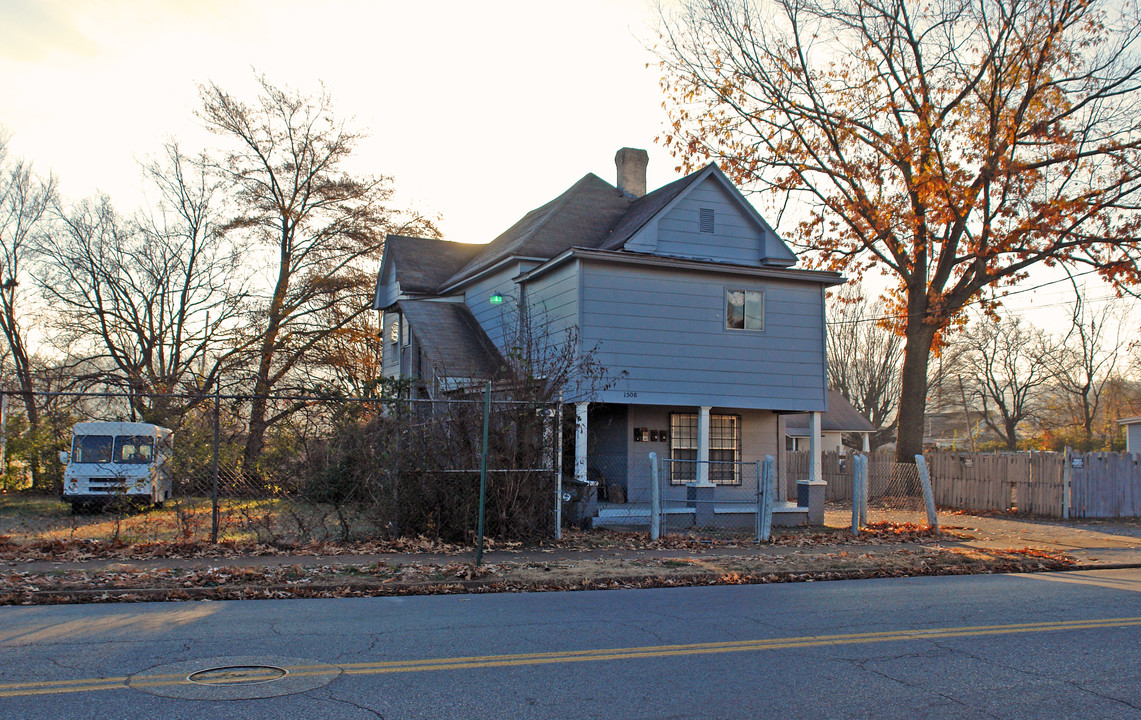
(632, 171)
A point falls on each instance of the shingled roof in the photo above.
(841, 416)
(452, 339)
(425, 263)
(580, 217)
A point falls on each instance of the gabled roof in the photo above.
(452, 339)
(841, 416)
(645, 208)
(425, 263)
(582, 216)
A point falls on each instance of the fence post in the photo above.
(655, 499)
(558, 421)
(214, 484)
(865, 482)
(3, 432)
(859, 470)
(928, 495)
(483, 474)
(1067, 478)
(768, 483)
(760, 504)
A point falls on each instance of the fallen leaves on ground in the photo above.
(385, 578)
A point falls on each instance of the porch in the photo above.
(727, 515)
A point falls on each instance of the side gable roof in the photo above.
(423, 264)
(840, 416)
(582, 216)
(452, 339)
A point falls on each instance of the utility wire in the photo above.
(1014, 311)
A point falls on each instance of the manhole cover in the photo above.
(234, 678)
(238, 675)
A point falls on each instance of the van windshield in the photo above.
(92, 448)
(134, 449)
(123, 449)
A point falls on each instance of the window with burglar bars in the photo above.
(724, 449)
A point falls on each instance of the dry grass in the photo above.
(26, 518)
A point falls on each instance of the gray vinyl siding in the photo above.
(389, 289)
(666, 330)
(736, 238)
(554, 303)
(1133, 438)
(496, 320)
(390, 351)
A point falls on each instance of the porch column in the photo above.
(867, 442)
(580, 441)
(814, 449)
(703, 445)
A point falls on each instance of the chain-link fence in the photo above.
(298, 468)
(891, 492)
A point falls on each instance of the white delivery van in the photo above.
(117, 461)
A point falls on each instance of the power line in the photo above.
(981, 301)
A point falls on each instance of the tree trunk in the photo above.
(913, 390)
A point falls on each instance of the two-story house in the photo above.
(706, 330)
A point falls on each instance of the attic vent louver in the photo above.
(705, 220)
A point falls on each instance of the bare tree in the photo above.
(951, 145)
(865, 358)
(24, 200)
(1085, 364)
(291, 195)
(154, 300)
(1007, 364)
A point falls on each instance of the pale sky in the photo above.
(480, 111)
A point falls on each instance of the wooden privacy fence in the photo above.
(1105, 485)
(1030, 483)
(1101, 485)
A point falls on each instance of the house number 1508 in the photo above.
(629, 394)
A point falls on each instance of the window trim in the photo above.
(717, 440)
(745, 302)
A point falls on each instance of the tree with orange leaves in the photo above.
(951, 145)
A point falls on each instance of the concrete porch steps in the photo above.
(785, 514)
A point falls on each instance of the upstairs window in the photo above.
(744, 310)
(705, 220)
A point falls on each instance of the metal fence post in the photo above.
(4, 432)
(483, 474)
(655, 499)
(214, 485)
(928, 495)
(865, 482)
(557, 419)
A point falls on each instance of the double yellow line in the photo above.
(52, 687)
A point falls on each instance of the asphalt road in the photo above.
(1024, 646)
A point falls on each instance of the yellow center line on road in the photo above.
(52, 687)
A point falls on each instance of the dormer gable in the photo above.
(703, 216)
